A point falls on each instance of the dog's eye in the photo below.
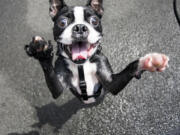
(94, 20)
(63, 22)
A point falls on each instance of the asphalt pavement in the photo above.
(132, 28)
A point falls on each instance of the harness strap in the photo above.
(95, 95)
(82, 82)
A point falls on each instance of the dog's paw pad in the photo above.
(40, 43)
(154, 62)
(37, 39)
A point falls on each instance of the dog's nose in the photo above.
(80, 32)
(80, 29)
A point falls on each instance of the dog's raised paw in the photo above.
(37, 38)
(154, 62)
(39, 48)
(39, 44)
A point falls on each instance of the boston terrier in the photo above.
(81, 67)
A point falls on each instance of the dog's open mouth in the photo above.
(81, 51)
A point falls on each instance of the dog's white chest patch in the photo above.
(90, 78)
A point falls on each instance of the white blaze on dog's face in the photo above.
(78, 29)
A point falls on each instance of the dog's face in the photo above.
(78, 29)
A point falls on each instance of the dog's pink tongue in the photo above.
(79, 51)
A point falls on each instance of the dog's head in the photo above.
(77, 28)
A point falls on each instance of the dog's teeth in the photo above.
(89, 45)
(69, 48)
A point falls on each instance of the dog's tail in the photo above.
(176, 12)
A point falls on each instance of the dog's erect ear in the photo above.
(97, 5)
(55, 7)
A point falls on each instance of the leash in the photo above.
(176, 12)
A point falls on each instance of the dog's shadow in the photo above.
(30, 133)
(56, 116)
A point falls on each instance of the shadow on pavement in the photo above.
(30, 133)
(56, 116)
(174, 132)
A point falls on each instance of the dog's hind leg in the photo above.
(116, 82)
(42, 51)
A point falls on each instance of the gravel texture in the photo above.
(132, 28)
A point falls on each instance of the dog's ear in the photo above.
(55, 7)
(97, 5)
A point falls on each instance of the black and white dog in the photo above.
(81, 66)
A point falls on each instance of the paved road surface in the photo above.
(132, 28)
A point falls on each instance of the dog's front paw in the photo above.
(39, 48)
(154, 62)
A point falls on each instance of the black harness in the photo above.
(82, 82)
(83, 86)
